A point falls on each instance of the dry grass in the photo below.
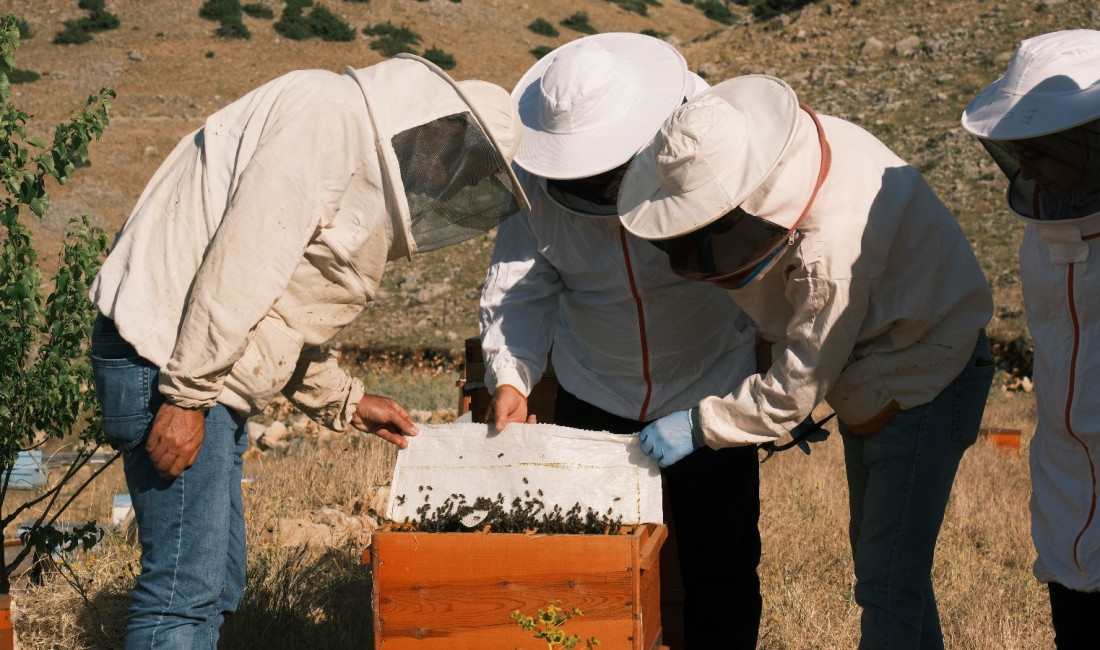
(988, 597)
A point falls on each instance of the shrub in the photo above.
(257, 10)
(440, 58)
(542, 27)
(389, 46)
(328, 26)
(764, 9)
(80, 30)
(220, 10)
(233, 29)
(718, 11)
(391, 40)
(359, 1)
(73, 34)
(541, 51)
(402, 33)
(654, 33)
(579, 22)
(640, 7)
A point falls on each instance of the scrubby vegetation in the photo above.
(390, 39)
(228, 14)
(578, 22)
(640, 7)
(80, 31)
(541, 51)
(440, 58)
(296, 25)
(542, 27)
(258, 10)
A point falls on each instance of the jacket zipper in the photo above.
(641, 326)
(1069, 400)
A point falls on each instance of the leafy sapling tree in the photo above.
(46, 379)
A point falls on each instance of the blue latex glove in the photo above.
(812, 431)
(668, 439)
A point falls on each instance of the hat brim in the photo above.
(654, 67)
(999, 115)
(650, 211)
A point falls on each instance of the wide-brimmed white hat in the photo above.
(709, 156)
(1052, 84)
(591, 104)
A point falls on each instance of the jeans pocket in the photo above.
(128, 398)
(971, 392)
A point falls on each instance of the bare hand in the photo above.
(508, 406)
(175, 439)
(384, 418)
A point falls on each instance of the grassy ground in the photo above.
(310, 598)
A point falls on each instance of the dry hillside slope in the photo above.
(903, 69)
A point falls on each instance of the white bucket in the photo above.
(121, 506)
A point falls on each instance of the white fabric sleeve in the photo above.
(322, 390)
(519, 305)
(288, 187)
(820, 337)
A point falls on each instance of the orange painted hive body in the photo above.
(452, 591)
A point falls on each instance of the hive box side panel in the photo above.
(438, 590)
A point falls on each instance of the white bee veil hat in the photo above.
(1051, 84)
(588, 106)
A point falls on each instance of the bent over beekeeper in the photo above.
(866, 286)
(262, 235)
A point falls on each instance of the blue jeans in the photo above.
(899, 481)
(191, 528)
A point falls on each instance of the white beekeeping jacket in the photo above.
(266, 231)
(629, 336)
(1060, 270)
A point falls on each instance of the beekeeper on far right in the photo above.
(866, 288)
(1041, 123)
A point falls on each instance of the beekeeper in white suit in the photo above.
(263, 234)
(848, 262)
(631, 341)
(1041, 123)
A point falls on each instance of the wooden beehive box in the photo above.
(474, 397)
(450, 591)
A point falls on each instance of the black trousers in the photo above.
(1075, 615)
(714, 495)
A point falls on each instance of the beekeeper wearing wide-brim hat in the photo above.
(631, 341)
(262, 235)
(868, 290)
(1041, 123)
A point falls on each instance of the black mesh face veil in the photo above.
(730, 247)
(455, 181)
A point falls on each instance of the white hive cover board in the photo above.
(598, 470)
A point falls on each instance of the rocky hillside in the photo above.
(903, 69)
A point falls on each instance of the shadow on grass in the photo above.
(303, 598)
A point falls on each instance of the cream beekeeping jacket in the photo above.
(261, 236)
(628, 335)
(1060, 270)
(880, 301)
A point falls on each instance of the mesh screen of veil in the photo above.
(456, 183)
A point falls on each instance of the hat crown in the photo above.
(583, 90)
(693, 143)
(1056, 63)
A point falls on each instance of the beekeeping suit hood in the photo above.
(444, 150)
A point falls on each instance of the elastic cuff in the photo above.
(504, 376)
(355, 394)
(518, 391)
(697, 436)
